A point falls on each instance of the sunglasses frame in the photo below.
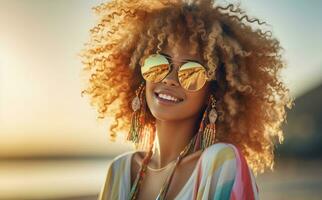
(208, 73)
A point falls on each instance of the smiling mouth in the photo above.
(165, 98)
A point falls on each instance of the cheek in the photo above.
(196, 101)
(149, 91)
(149, 94)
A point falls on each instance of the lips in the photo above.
(168, 93)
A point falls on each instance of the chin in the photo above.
(165, 116)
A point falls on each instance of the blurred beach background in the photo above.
(53, 147)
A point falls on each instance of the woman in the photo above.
(197, 87)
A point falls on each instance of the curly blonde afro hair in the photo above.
(251, 98)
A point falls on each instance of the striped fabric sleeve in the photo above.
(114, 180)
(226, 175)
(106, 188)
(244, 187)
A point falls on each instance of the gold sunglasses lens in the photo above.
(192, 76)
(155, 68)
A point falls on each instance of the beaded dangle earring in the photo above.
(207, 130)
(138, 116)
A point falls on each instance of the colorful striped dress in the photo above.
(221, 173)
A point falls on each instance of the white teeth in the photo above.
(167, 97)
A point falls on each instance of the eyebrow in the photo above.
(182, 59)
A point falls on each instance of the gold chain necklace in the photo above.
(162, 168)
(162, 194)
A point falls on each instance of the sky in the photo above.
(41, 110)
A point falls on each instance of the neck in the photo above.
(171, 138)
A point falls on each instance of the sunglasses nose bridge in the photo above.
(172, 76)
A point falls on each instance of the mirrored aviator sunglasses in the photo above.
(191, 75)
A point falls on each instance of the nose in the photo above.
(172, 78)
